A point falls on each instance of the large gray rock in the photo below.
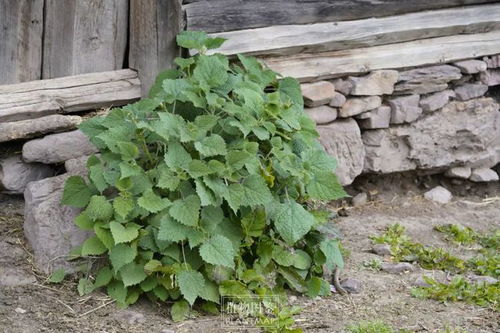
(379, 118)
(57, 148)
(492, 61)
(16, 174)
(439, 194)
(317, 93)
(49, 226)
(376, 83)
(405, 109)
(436, 101)
(470, 91)
(471, 66)
(426, 80)
(458, 172)
(31, 128)
(355, 106)
(342, 140)
(491, 77)
(462, 133)
(483, 175)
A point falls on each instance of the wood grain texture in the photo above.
(409, 54)
(21, 26)
(321, 37)
(84, 36)
(68, 94)
(154, 24)
(229, 15)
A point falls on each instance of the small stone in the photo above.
(491, 77)
(483, 279)
(322, 114)
(31, 128)
(292, 299)
(397, 268)
(20, 310)
(57, 148)
(15, 174)
(382, 249)
(483, 175)
(492, 61)
(459, 172)
(337, 100)
(317, 93)
(471, 66)
(379, 118)
(352, 286)
(167, 330)
(470, 91)
(436, 101)
(355, 106)
(405, 109)
(376, 83)
(342, 86)
(359, 199)
(131, 317)
(438, 194)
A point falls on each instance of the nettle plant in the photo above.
(207, 188)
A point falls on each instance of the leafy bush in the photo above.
(204, 189)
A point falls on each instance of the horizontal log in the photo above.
(68, 94)
(409, 54)
(321, 37)
(228, 15)
(25, 129)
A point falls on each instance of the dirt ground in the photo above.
(38, 306)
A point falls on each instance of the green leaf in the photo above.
(233, 288)
(172, 230)
(177, 156)
(96, 174)
(85, 287)
(121, 254)
(252, 192)
(301, 260)
(167, 180)
(331, 250)
(117, 291)
(123, 206)
(214, 43)
(254, 223)
(186, 211)
(191, 284)
(84, 222)
(318, 160)
(210, 292)
(93, 246)
(210, 217)
(132, 274)
(128, 150)
(76, 192)
(192, 39)
(57, 276)
(180, 311)
(99, 208)
(207, 197)
(152, 202)
(197, 168)
(211, 71)
(157, 86)
(236, 159)
(104, 235)
(314, 286)
(103, 277)
(211, 146)
(325, 186)
(124, 233)
(292, 221)
(218, 251)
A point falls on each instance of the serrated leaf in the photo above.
(84, 222)
(104, 235)
(103, 277)
(191, 284)
(292, 221)
(120, 255)
(96, 174)
(152, 202)
(132, 274)
(99, 208)
(85, 287)
(123, 206)
(325, 186)
(117, 291)
(186, 211)
(93, 246)
(254, 223)
(218, 251)
(207, 197)
(210, 292)
(176, 156)
(149, 284)
(128, 150)
(124, 233)
(129, 170)
(192, 39)
(172, 230)
(76, 192)
(318, 160)
(168, 180)
(197, 168)
(331, 250)
(211, 71)
(210, 217)
(211, 146)
(301, 260)
(314, 286)
(57, 276)
(236, 159)
(157, 86)
(252, 192)
(180, 311)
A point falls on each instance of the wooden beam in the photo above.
(228, 15)
(293, 39)
(84, 36)
(21, 26)
(68, 94)
(409, 54)
(154, 24)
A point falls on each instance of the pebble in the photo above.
(483, 175)
(167, 330)
(398, 268)
(438, 194)
(382, 249)
(352, 286)
(360, 199)
(20, 310)
(131, 317)
(292, 299)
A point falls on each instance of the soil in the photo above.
(37, 306)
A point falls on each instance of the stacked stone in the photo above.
(434, 118)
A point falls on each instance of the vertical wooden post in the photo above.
(153, 27)
(84, 36)
(21, 25)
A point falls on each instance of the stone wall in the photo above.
(438, 119)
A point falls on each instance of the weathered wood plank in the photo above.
(153, 27)
(292, 39)
(68, 94)
(400, 55)
(228, 15)
(21, 25)
(84, 36)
